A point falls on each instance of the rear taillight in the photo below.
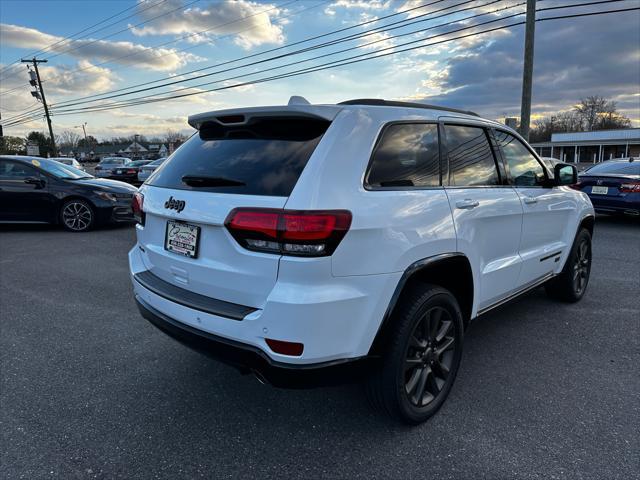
(630, 187)
(137, 206)
(576, 186)
(313, 233)
(131, 170)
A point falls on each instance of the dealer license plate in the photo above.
(182, 238)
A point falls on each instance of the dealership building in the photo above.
(591, 147)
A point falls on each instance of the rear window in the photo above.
(620, 168)
(265, 157)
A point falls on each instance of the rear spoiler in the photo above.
(242, 116)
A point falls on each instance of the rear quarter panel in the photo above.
(390, 229)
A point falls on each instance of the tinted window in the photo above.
(263, 158)
(524, 169)
(61, 170)
(112, 161)
(16, 170)
(471, 160)
(623, 168)
(407, 155)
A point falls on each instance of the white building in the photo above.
(591, 147)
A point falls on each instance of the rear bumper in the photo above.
(336, 319)
(628, 204)
(249, 359)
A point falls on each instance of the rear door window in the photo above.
(471, 159)
(407, 155)
(16, 170)
(265, 157)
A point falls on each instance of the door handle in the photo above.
(530, 200)
(467, 204)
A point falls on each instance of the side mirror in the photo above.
(565, 174)
(39, 183)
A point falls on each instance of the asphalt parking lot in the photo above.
(88, 389)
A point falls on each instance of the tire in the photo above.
(77, 215)
(572, 282)
(414, 378)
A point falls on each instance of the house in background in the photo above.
(133, 150)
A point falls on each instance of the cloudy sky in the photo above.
(426, 52)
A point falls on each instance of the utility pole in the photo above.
(527, 75)
(35, 63)
(83, 127)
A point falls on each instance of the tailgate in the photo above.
(222, 269)
(254, 163)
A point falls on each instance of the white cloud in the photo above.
(253, 23)
(135, 55)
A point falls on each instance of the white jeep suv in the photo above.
(317, 243)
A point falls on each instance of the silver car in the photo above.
(146, 170)
(72, 162)
(108, 164)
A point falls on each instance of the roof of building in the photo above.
(598, 136)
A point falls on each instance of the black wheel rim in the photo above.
(76, 216)
(581, 267)
(430, 357)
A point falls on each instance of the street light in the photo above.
(83, 126)
(84, 130)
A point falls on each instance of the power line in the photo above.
(84, 45)
(269, 50)
(405, 22)
(67, 104)
(352, 60)
(43, 50)
(173, 52)
(342, 62)
(315, 47)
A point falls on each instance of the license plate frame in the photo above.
(186, 249)
(598, 190)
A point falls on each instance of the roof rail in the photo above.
(392, 103)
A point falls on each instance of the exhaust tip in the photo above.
(260, 377)
(634, 213)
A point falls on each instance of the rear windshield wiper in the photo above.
(206, 181)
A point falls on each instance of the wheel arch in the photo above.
(450, 270)
(587, 222)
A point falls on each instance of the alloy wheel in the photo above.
(77, 216)
(581, 267)
(430, 356)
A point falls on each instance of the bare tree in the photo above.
(598, 113)
(173, 136)
(592, 113)
(68, 139)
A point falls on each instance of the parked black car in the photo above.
(129, 172)
(41, 190)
